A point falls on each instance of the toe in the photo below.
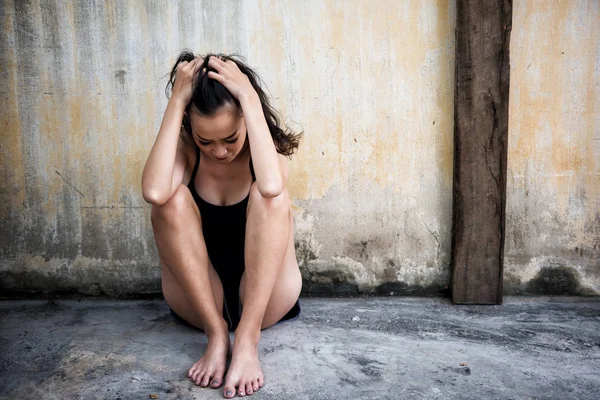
(249, 389)
(215, 383)
(208, 378)
(260, 382)
(197, 376)
(191, 371)
(217, 379)
(254, 386)
(204, 381)
(229, 392)
(193, 375)
(242, 390)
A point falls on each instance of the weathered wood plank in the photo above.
(480, 148)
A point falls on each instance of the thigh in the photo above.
(286, 290)
(176, 298)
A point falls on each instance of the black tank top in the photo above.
(224, 230)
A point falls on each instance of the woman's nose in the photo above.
(220, 152)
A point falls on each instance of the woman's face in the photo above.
(220, 136)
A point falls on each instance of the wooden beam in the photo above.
(480, 145)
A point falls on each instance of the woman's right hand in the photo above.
(184, 79)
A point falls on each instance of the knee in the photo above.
(174, 206)
(269, 206)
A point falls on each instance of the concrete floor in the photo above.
(376, 348)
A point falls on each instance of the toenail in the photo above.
(215, 382)
(228, 393)
(242, 394)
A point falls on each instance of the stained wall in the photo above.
(371, 84)
(553, 195)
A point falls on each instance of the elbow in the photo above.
(271, 190)
(153, 197)
(152, 194)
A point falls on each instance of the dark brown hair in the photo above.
(209, 96)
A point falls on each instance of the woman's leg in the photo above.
(287, 287)
(190, 285)
(270, 286)
(178, 300)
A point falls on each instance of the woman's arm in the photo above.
(268, 164)
(167, 161)
(268, 168)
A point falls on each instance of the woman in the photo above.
(216, 178)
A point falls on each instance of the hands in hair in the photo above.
(184, 79)
(229, 75)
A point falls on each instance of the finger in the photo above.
(215, 76)
(232, 64)
(198, 63)
(183, 68)
(181, 65)
(216, 63)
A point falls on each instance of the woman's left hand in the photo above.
(230, 76)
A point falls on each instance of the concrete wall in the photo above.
(370, 82)
(553, 196)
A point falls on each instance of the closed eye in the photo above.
(227, 139)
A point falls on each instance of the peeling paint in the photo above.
(307, 247)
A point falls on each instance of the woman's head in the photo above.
(221, 135)
(216, 115)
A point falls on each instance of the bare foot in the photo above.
(209, 369)
(244, 372)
